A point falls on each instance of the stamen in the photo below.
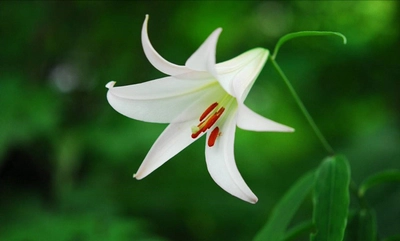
(208, 110)
(196, 134)
(207, 124)
(209, 117)
(214, 117)
(213, 137)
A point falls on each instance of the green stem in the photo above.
(303, 108)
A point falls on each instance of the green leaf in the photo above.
(379, 178)
(304, 34)
(331, 199)
(283, 212)
(300, 229)
(366, 225)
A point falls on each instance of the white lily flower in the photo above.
(199, 98)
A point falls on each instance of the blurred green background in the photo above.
(67, 158)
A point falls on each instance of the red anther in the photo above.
(202, 128)
(220, 111)
(213, 137)
(214, 118)
(195, 135)
(207, 121)
(208, 110)
(210, 122)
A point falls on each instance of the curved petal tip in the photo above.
(249, 120)
(253, 201)
(204, 57)
(110, 84)
(155, 59)
(137, 177)
(222, 166)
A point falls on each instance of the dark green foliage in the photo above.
(331, 199)
(67, 158)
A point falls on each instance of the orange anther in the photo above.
(208, 110)
(213, 137)
(207, 120)
(214, 118)
(195, 135)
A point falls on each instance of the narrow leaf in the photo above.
(300, 229)
(379, 178)
(366, 225)
(283, 212)
(304, 34)
(331, 199)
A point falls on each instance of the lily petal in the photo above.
(166, 98)
(176, 137)
(238, 74)
(197, 98)
(221, 162)
(249, 120)
(204, 57)
(155, 59)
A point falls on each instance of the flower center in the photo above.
(207, 120)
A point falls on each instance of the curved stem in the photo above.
(303, 108)
(304, 34)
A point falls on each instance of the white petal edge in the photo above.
(221, 162)
(155, 59)
(162, 100)
(249, 120)
(232, 70)
(175, 138)
(245, 78)
(177, 135)
(204, 57)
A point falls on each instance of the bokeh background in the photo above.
(67, 158)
